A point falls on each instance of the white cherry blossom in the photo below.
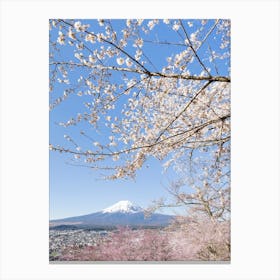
(120, 60)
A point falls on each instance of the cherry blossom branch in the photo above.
(112, 44)
(192, 48)
(151, 74)
(89, 153)
(186, 107)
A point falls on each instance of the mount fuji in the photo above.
(123, 206)
(123, 213)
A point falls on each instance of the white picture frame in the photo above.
(24, 138)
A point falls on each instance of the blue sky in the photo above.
(78, 190)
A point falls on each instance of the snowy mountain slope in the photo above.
(123, 206)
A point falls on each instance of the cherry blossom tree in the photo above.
(203, 242)
(147, 88)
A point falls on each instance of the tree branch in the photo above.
(151, 74)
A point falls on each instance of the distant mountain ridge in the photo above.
(123, 213)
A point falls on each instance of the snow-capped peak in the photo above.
(123, 206)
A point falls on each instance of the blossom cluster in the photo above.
(200, 241)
